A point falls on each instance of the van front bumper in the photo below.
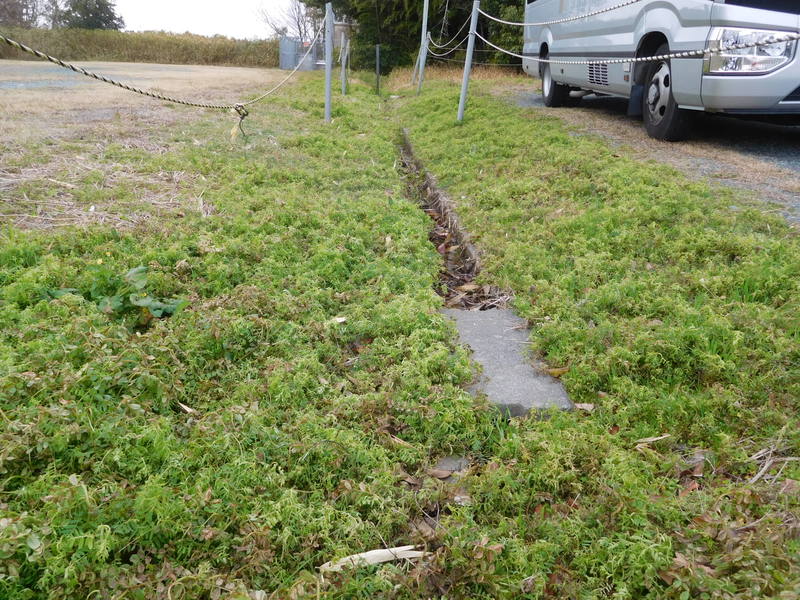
(772, 93)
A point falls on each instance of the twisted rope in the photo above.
(775, 39)
(239, 107)
(449, 50)
(440, 45)
(564, 20)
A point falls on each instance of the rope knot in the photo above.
(242, 112)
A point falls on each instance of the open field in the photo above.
(240, 372)
(56, 126)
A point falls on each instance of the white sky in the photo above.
(234, 18)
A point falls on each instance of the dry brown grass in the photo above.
(143, 47)
(400, 79)
(55, 128)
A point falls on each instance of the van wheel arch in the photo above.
(663, 118)
(648, 46)
(553, 94)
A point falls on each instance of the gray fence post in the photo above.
(416, 68)
(343, 63)
(423, 47)
(328, 59)
(378, 69)
(473, 27)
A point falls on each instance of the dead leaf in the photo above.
(585, 407)
(558, 372)
(374, 557)
(693, 485)
(183, 266)
(396, 440)
(528, 585)
(468, 287)
(187, 409)
(421, 527)
(412, 482)
(461, 497)
(440, 473)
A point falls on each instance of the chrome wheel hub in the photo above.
(547, 80)
(658, 93)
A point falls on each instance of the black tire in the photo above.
(663, 120)
(554, 94)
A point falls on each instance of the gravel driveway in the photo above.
(761, 159)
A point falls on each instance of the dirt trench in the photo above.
(461, 262)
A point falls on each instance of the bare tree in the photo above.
(297, 21)
(20, 13)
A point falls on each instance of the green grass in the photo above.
(322, 382)
(674, 313)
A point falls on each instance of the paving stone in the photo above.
(510, 377)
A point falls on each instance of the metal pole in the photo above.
(378, 68)
(473, 26)
(328, 59)
(423, 46)
(342, 62)
(416, 69)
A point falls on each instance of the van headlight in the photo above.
(755, 60)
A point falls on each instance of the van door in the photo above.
(600, 37)
(617, 33)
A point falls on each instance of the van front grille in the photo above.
(793, 97)
(598, 73)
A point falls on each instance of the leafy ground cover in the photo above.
(676, 315)
(213, 403)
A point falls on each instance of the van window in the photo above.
(789, 6)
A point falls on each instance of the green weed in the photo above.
(289, 414)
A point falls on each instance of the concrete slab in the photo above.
(510, 377)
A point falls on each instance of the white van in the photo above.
(753, 81)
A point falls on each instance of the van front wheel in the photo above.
(662, 117)
(554, 94)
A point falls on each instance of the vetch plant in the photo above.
(132, 297)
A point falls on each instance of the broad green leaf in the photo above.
(137, 277)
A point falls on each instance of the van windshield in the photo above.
(789, 6)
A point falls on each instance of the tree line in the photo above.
(396, 25)
(58, 14)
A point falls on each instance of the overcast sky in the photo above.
(234, 18)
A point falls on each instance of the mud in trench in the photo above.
(460, 258)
